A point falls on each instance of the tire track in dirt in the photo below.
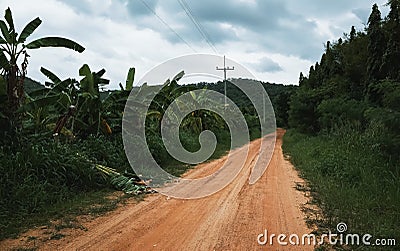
(228, 220)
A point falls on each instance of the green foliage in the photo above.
(88, 119)
(303, 110)
(105, 150)
(44, 106)
(351, 179)
(339, 111)
(55, 42)
(349, 107)
(279, 96)
(376, 45)
(128, 183)
(354, 57)
(40, 173)
(385, 93)
(355, 81)
(95, 112)
(391, 58)
(129, 79)
(388, 122)
(11, 48)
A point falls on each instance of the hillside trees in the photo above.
(376, 44)
(391, 58)
(356, 83)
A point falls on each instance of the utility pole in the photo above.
(225, 69)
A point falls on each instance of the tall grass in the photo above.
(36, 175)
(353, 179)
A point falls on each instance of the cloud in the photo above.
(140, 8)
(262, 14)
(297, 28)
(362, 14)
(280, 37)
(265, 65)
(79, 6)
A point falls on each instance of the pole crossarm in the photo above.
(225, 69)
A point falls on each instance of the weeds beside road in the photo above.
(351, 181)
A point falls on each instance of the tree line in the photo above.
(356, 83)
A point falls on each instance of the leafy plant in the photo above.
(82, 103)
(129, 185)
(13, 47)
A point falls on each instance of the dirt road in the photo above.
(231, 219)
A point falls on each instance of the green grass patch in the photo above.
(352, 180)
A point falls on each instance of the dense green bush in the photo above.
(39, 173)
(340, 111)
(43, 173)
(105, 150)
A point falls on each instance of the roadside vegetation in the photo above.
(61, 148)
(345, 128)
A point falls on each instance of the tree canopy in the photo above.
(356, 82)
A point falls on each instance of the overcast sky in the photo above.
(274, 39)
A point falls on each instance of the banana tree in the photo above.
(80, 106)
(89, 119)
(51, 107)
(113, 104)
(13, 46)
(168, 94)
(202, 119)
(129, 80)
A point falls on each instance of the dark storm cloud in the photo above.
(216, 35)
(138, 8)
(329, 9)
(268, 24)
(296, 40)
(260, 15)
(267, 65)
(275, 26)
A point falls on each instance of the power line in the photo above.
(166, 24)
(185, 6)
(207, 36)
(198, 25)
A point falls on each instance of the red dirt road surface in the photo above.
(231, 219)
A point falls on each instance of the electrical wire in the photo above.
(185, 6)
(167, 25)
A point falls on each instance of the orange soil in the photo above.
(228, 220)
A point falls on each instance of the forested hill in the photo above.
(344, 135)
(279, 95)
(31, 85)
(356, 83)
